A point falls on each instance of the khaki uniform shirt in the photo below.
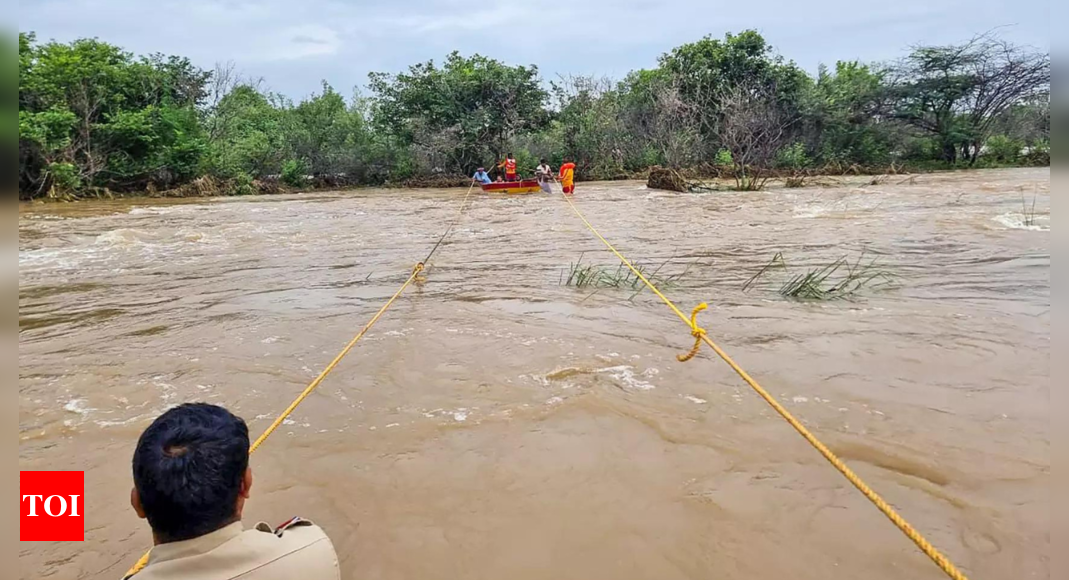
(298, 550)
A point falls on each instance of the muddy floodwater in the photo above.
(498, 424)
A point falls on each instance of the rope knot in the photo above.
(696, 331)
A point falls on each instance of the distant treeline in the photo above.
(94, 119)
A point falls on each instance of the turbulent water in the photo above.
(498, 424)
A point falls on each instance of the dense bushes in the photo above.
(93, 117)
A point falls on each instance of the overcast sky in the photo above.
(295, 44)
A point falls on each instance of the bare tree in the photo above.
(224, 79)
(753, 129)
(957, 92)
(597, 137)
(1004, 75)
(677, 126)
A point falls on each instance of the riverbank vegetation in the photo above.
(96, 120)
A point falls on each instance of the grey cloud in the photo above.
(302, 39)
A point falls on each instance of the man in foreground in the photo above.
(191, 480)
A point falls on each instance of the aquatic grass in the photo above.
(588, 275)
(776, 261)
(1028, 213)
(838, 280)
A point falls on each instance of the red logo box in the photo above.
(52, 506)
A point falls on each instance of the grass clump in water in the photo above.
(838, 280)
(1028, 213)
(587, 275)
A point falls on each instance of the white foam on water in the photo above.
(1018, 221)
(78, 406)
(123, 237)
(695, 400)
(69, 258)
(167, 210)
(106, 424)
(190, 236)
(146, 211)
(626, 375)
(810, 212)
(539, 379)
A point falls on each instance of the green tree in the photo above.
(461, 114)
(331, 135)
(95, 116)
(707, 70)
(590, 127)
(848, 116)
(248, 135)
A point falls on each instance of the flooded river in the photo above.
(498, 424)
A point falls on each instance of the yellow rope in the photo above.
(698, 333)
(700, 336)
(326, 371)
(143, 561)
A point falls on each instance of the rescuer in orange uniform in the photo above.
(567, 176)
(510, 168)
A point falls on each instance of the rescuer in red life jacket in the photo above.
(510, 168)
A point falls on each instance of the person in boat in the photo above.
(191, 482)
(544, 175)
(509, 164)
(481, 176)
(567, 176)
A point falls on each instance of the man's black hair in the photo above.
(188, 469)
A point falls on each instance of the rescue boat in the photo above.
(513, 187)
